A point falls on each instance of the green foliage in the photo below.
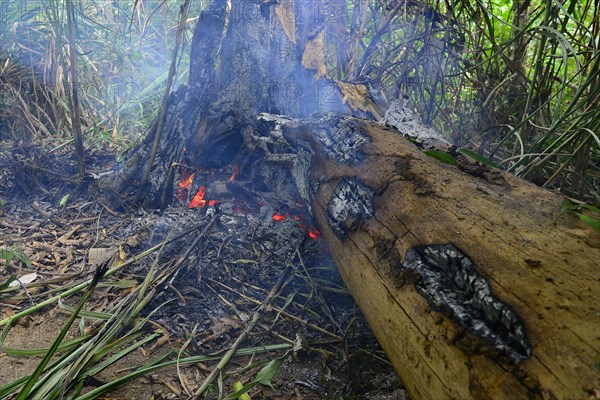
(6, 284)
(479, 158)
(518, 81)
(31, 381)
(124, 48)
(578, 209)
(441, 156)
(64, 200)
(264, 377)
(9, 254)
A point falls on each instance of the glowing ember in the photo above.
(198, 200)
(313, 234)
(184, 185)
(236, 171)
(186, 182)
(279, 217)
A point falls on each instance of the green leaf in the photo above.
(8, 255)
(269, 372)
(240, 391)
(23, 257)
(5, 284)
(441, 156)
(566, 205)
(591, 208)
(238, 386)
(479, 158)
(593, 223)
(81, 326)
(64, 200)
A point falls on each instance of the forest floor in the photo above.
(55, 231)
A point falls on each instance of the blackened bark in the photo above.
(244, 61)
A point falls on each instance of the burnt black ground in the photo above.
(216, 290)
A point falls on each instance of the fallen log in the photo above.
(474, 283)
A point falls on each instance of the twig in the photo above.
(163, 107)
(107, 208)
(48, 215)
(74, 103)
(281, 311)
(217, 370)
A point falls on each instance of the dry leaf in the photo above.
(173, 386)
(314, 55)
(287, 18)
(357, 97)
(99, 255)
(27, 278)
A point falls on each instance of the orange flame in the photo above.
(312, 233)
(234, 174)
(279, 217)
(198, 200)
(186, 182)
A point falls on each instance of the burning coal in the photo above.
(198, 200)
(182, 192)
(311, 232)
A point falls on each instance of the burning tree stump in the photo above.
(473, 283)
(246, 57)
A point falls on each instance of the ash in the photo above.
(451, 284)
(342, 137)
(352, 202)
(229, 274)
(219, 264)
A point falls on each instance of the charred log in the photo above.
(461, 277)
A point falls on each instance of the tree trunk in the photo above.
(473, 282)
(252, 57)
(470, 288)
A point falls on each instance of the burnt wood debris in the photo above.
(435, 255)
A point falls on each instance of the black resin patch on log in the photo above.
(341, 136)
(351, 203)
(451, 284)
